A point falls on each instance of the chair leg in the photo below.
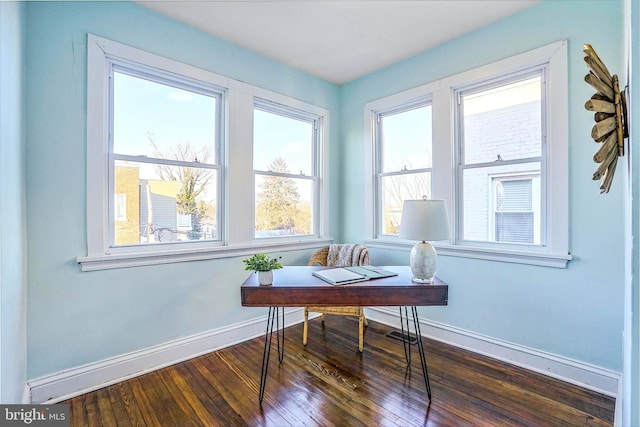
(361, 333)
(305, 328)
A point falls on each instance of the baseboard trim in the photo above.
(26, 395)
(582, 374)
(72, 382)
(93, 376)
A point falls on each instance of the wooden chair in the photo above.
(320, 258)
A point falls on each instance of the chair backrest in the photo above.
(344, 255)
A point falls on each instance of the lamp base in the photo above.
(418, 280)
(423, 260)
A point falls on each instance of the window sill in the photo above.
(519, 257)
(113, 261)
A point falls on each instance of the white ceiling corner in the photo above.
(338, 40)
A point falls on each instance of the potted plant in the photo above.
(264, 266)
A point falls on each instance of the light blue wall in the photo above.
(13, 251)
(575, 312)
(74, 317)
(631, 373)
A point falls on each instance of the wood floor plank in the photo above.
(90, 402)
(122, 393)
(105, 408)
(146, 403)
(238, 393)
(77, 411)
(330, 383)
(206, 397)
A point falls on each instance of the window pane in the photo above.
(165, 203)
(406, 140)
(276, 136)
(503, 123)
(483, 196)
(284, 206)
(157, 120)
(514, 195)
(395, 190)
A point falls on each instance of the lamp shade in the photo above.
(424, 220)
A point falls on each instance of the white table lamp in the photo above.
(424, 220)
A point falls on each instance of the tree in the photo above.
(399, 188)
(278, 199)
(193, 180)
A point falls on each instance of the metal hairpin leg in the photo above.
(407, 345)
(405, 336)
(272, 318)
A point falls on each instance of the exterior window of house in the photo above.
(403, 162)
(165, 156)
(120, 207)
(501, 132)
(285, 144)
(516, 218)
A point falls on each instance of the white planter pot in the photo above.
(265, 277)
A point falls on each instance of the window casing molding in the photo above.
(555, 253)
(235, 210)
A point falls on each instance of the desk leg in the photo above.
(405, 336)
(407, 345)
(272, 318)
(280, 334)
(423, 360)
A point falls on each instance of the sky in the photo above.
(170, 116)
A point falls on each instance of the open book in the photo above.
(345, 275)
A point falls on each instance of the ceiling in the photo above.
(338, 40)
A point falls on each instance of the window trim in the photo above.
(556, 252)
(237, 240)
(380, 174)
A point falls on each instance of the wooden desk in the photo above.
(297, 287)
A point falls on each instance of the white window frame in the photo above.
(459, 148)
(236, 210)
(316, 121)
(555, 252)
(186, 81)
(379, 111)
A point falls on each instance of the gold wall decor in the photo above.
(610, 107)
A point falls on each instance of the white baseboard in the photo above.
(582, 374)
(26, 395)
(617, 414)
(82, 379)
(75, 381)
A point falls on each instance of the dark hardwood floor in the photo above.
(329, 383)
